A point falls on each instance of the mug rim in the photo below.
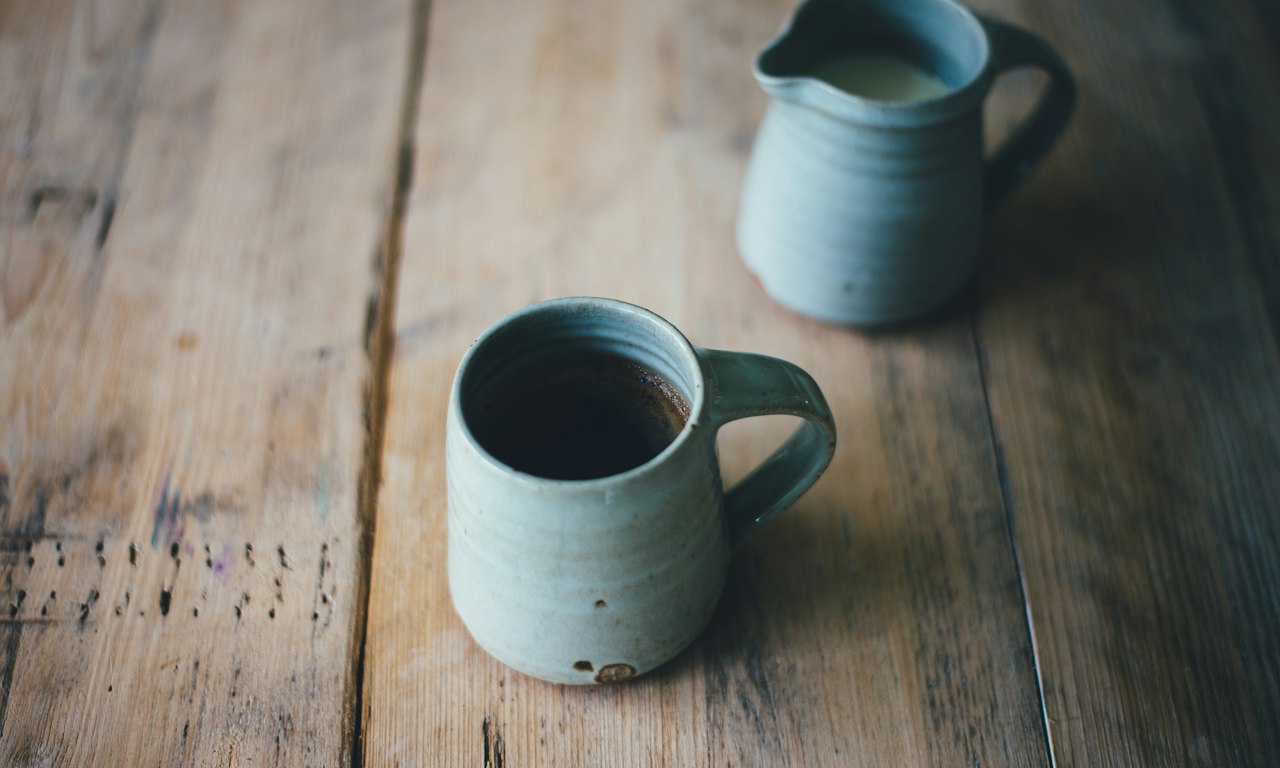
(685, 350)
(851, 105)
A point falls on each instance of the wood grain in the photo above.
(567, 148)
(192, 197)
(1049, 536)
(1133, 378)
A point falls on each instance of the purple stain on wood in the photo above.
(172, 532)
(223, 563)
(161, 508)
(165, 529)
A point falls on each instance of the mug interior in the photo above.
(529, 341)
(936, 35)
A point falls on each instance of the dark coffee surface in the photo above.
(579, 417)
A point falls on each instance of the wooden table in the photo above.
(243, 245)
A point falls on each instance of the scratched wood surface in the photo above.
(566, 148)
(193, 197)
(240, 243)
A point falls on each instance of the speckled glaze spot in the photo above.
(615, 673)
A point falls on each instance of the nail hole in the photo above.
(601, 604)
(583, 666)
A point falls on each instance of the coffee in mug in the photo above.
(578, 416)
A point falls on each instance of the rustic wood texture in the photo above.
(1127, 325)
(193, 195)
(567, 148)
(243, 246)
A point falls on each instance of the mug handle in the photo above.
(741, 385)
(1012, 48)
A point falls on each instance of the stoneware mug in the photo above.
(599, 580)
(863, 210)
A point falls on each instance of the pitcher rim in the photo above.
(954, 100)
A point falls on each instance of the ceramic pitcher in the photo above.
(864, 211)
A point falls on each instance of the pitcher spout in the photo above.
(823, 33)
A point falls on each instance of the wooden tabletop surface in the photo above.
(243, 246)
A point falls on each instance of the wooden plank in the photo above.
(568, 148)
(193, 194)
(1134, 388)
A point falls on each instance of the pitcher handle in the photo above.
(1012, 48)
(742, 385)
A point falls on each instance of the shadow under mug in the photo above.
(858, 211)
(599, 580)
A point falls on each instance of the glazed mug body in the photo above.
(599, 580)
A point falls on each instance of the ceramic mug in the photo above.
(599, 580)
(859, 210)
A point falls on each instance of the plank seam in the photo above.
(1006, 500)
(379, 349)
